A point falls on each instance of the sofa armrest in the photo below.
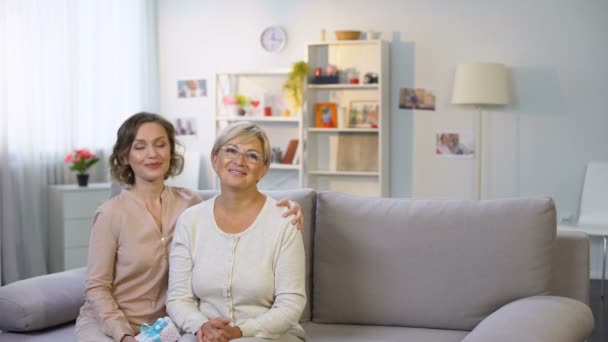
(570, 276)
(43, 301)
(538, 318)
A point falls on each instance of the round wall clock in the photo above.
(273, 38)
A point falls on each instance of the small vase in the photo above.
(83, 179)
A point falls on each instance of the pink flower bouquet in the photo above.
(81, 160)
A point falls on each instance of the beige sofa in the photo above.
(383, 269)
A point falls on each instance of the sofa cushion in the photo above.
(540, 318)
(308, 200)
(63, 332)
(42, 302)
(427, 263)
(365, 333)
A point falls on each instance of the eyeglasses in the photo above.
(250, 157)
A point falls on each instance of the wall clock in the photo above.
(273, 38)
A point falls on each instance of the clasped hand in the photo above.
(218, 330)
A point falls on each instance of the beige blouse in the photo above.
(128, 261)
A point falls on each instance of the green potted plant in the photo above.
(295, 85)
(242, 101)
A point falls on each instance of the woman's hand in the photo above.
(218, 330)
(128, 338)
(294, 208)
(214, 330)
(234, 332)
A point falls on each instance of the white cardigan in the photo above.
(255, 278)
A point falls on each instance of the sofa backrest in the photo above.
(427, 263)
(308, 200)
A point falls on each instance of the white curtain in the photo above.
(72, 71)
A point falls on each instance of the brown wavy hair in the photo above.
(125, 136)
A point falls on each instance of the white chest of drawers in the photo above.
(71, 210)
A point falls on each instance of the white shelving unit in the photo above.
(345, 158)
(266, 87)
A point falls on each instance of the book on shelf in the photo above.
(333, 152)
(290, 151)
(296, 157)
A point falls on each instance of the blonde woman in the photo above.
(237, 265)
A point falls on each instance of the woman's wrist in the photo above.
(238, 331)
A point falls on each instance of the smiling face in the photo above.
(150, 154)
(235, 169)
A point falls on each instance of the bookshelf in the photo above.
(265, 90)
(351, 156)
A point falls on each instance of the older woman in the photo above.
(236, 265)
(132, 233)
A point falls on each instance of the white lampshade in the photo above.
(480, 84)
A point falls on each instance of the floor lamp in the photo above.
(480, 85)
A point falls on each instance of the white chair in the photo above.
(594, 200)
(593, 213)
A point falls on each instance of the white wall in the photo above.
(556, 51)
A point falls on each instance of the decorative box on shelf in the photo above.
(325, 80)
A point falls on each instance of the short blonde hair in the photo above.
(246, 130)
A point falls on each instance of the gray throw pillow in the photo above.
(43, 301)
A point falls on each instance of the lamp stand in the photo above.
(479, 151)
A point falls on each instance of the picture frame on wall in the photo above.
(326, 114)
(191, 88)
(454, 144)
(410, 98)
(363, 114)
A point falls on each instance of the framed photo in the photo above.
(363, 114)
(191, 88)
(422, 99)
(454, 144)
(185, 126)
(326, 115)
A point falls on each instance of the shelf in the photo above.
(343, 130)
(347, 42)
(343, 86)
(277, 166)
(260, 118)
(362, 150)
(344, 173)
(257, 73)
